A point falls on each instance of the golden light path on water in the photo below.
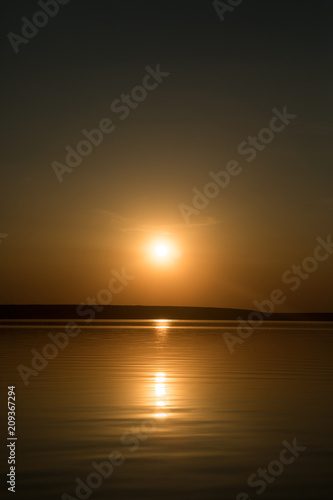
(162, 324)
(160, 377)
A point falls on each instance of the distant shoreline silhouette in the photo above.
(20, 312)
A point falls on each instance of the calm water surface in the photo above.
(188, 419)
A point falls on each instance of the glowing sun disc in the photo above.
(161, 250)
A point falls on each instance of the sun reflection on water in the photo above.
(160, 391)
(160, 385)
(162, 324)
(161, 327)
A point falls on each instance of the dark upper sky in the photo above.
(225, 78)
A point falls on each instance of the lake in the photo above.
(130, 410)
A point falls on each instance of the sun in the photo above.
(162, 251)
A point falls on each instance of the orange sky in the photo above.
(189, 97)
